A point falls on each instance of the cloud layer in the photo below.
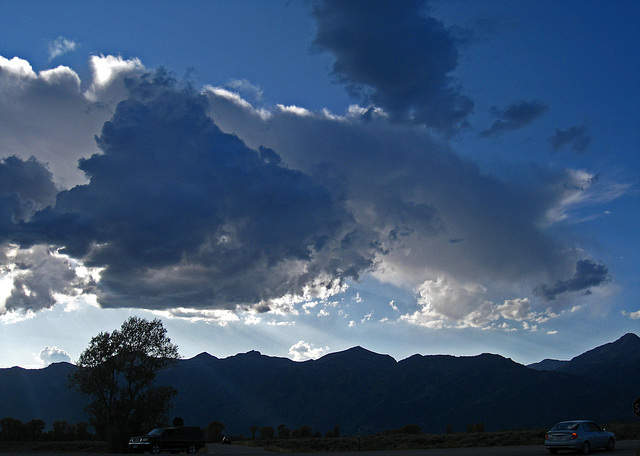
(176, 213)
(151, 194)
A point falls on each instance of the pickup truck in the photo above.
(172, 439)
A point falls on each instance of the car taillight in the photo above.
(546, 436)
(574, 436)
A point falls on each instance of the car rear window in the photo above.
(568, 426)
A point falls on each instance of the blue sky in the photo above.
(301, 177)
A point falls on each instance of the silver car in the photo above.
(581, 435)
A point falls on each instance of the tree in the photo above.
(178, 421)
(35, 429)
(305, 431)
(283, 431)
(118, 370)
(11, 429)
(213, 432)
(60, 429)
(267, 432)
(335, 433)
(79, 431)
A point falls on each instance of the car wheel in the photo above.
(192, 448)
(611, 444)
(585, 448)
(155, 449)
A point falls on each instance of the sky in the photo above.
(302, 177)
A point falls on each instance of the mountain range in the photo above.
(364, 392)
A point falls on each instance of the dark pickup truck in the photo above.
(172, 439)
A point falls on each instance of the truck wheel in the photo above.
(155, 448)
(192, 448)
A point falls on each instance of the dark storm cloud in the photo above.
(29, 178)
(25, 186)
(178, 213)
(515, 116)
(393, 55)
(576, 137)
(588, 274)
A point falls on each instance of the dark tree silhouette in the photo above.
(283, 431)
(35, 429)
(178, 421)
(213, 432)
(11, 429)
(267, 432)
(118, 370)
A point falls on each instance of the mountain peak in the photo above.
(204, 356)
(629, 338)
(627, 344)
(357, 356)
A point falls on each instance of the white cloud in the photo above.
(42, 277)
(633, 315)
(367, 317)
(447, 303)
(108, 77)
(281, 323)
(515, 309)
(49, 355)
(61, 76)
(61, 46)
(222, 317)
(302, 351)
(46, 116)
(16, 70)
(307, 306)
(580, 190)
(356, 111)
(234, 98)
(252, 320)
(297, 110)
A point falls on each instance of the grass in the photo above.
(393, 441)
(383, 441)
(409, 441)
(90, 446)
